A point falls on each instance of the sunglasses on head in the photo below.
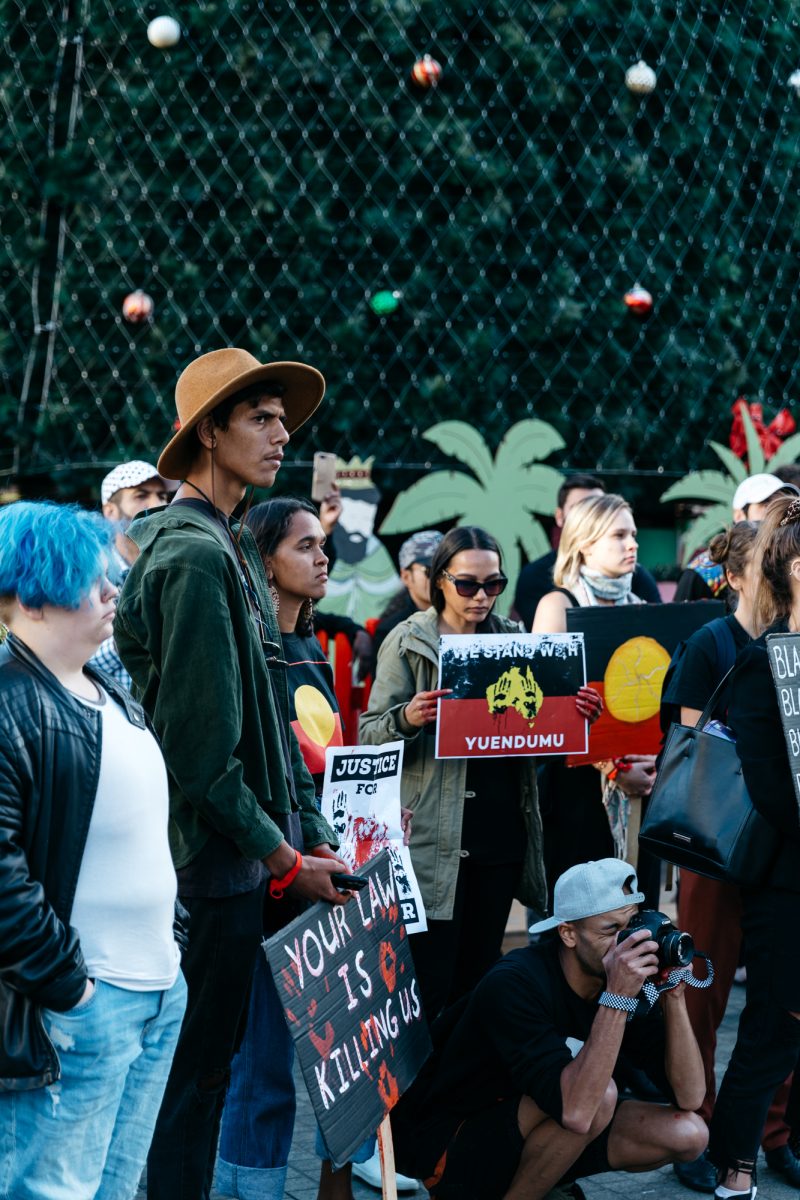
(470, 587)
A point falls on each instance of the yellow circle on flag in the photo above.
(633, 679)
(315, 714)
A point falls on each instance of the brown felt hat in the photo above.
(215, 377)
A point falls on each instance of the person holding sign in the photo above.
(477, 839)
(503, 1111)
(594, 568)
(768, 1041)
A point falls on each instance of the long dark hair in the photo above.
(463, 537)
(269, 522)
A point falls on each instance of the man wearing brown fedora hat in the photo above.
(196, 630)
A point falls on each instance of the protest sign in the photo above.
(784, 660)
(346, 981)
(361, 801)
(512, 694)
(628, 650)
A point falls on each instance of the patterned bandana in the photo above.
(606, 587)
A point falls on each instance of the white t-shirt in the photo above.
(125, 898)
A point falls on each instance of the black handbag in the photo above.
(700, 814)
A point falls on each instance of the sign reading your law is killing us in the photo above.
(346, 981)
(784, 660)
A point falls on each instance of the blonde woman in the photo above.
(594, 569)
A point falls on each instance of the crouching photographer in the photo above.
(503, 1109)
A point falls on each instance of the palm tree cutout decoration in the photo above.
(716, 488)
(501, 494)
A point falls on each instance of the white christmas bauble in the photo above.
(163, 32)
(794, 80)
(640, 78)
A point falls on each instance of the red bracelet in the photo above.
(278, 886)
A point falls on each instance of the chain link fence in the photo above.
(277, 180)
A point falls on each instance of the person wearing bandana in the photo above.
(594, 568)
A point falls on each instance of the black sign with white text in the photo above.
(784, 660)
(346, 980)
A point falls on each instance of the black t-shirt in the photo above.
(536, 580)
(510, 1040)
(699, 671)
(313, 710)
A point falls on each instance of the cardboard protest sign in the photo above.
(513, 694)
(346, 981)
(628, 650)
(361, 800)
(783, 650)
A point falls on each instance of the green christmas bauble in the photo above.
(384, 303)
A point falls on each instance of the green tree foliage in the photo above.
(274, 170)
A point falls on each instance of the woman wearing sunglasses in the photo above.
(477, 838)
(594, 568)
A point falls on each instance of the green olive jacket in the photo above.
(408, 662)
(186, 633)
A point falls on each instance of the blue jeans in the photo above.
(258, 1118)
(87, 1135)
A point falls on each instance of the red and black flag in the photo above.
(512, 694)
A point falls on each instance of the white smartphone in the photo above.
(324, 475)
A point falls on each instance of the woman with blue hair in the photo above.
(91, 994)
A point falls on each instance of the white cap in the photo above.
(756, 489)
(127, 475)
(589, 889)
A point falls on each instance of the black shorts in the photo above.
(483, 1155)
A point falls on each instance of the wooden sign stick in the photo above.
(386, 1151)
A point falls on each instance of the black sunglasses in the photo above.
(470, 587)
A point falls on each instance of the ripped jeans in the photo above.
(768, 1041)
(87, 1135)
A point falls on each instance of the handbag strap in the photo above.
(709, 708)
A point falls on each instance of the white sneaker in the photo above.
(369, 1172)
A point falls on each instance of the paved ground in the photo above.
(654, 1185)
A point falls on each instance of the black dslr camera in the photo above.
(675, 949)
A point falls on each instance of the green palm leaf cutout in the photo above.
(533, 539)
(702, 485)
(527, 442)
(537, 488)
(442, 496)
(738, 470)
(788, 452)
(700, 531)
(461, 441)
(755, 452)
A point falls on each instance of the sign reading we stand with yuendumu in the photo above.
(346, 981)
(784, 660)
(511, 694)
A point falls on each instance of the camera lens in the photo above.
(678, 949)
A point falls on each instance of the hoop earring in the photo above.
(276, 600)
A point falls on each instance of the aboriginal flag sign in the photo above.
(346, 981)
(628, 651)
(512, 693)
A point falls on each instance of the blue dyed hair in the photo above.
(51, 553)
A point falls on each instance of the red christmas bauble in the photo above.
(137, 307)
(638, 300)
(426, 72)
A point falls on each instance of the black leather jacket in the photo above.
(50, 747)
